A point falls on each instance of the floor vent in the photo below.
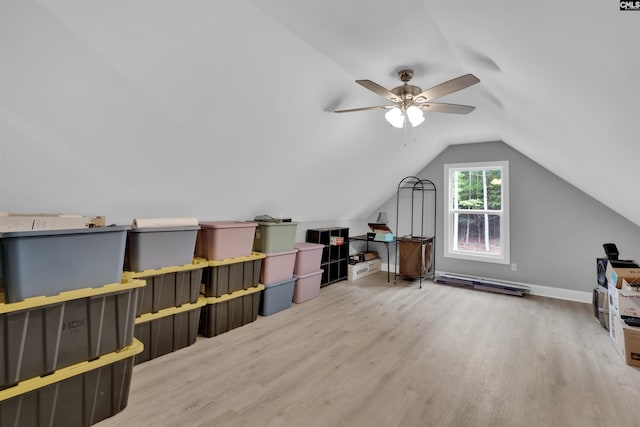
(482, 284)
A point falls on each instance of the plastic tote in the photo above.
(277, 297)
(274, 236)
(278, 267)
(158, 247)
(308, 258)
(225, 239)
(47, 262)
(307, 286)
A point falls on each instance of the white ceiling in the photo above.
(558, 79)
(558, 83)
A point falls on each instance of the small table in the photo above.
(364, 238)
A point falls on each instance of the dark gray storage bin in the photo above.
(78, 396)
(168, 287)
(230, 311)
(168, 330)
(231, 275)
(154, 248)
(47, 262)
(42, 335)
(277, 297)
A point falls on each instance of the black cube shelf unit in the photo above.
(335, 258)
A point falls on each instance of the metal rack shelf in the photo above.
(417, 188)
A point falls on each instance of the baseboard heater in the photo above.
(482, 284)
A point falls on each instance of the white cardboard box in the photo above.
(363, 269)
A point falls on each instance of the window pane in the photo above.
(469, 186)
(478, 233)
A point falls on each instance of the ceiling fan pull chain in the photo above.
(406, 125)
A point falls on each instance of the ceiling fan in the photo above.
(411, 101)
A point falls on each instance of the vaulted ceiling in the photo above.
(250, 86)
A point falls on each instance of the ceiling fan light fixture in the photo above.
(395, 117)
(415, 115)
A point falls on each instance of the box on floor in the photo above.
(627, 341)
(615, 275)
(363, 269)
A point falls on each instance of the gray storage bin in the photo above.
(47, 262)
(40, 336)
(153, 248)
(231, 275)
(77, 396)
(168, 330)
(168, 287)
(277, 297)
(230, 311)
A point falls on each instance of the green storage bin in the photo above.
(275, 237)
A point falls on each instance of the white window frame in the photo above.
(449, 213)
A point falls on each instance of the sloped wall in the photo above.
(557, 231)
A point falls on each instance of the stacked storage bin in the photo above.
(231, 279)
(307, 270)
(168, 309)
(276, 240)
(66, 326)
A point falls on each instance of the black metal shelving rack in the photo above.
(417, 188)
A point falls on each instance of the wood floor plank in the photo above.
(369, 353)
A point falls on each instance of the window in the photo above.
(477, 211)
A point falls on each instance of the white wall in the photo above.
(135, 109)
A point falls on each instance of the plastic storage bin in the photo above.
(168, 330)
(41, 335)
(230, 311)
(274, 236)
(168, 287)
(278, 267)
(158, 247)
(277, 297)
(76, 396)
(47, 262)
(231, 275)
(309, 257)
(307, 286)
(219, 240)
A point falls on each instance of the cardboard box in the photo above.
(615, 275)
(632, 345)
(618, 326)
(625, 303)
(630, 285)
(27, 222)
(363, 269)
(368, 256)
(612, 320)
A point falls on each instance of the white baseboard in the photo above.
(539, 290)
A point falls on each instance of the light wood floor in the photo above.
(371, 354)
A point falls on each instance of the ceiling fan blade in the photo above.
(447, 87)
(375, 87)
(379, 107)
(439, 107)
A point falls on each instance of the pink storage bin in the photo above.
(307, 287)
(309, 257)
(277, 267)
(219, 240)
